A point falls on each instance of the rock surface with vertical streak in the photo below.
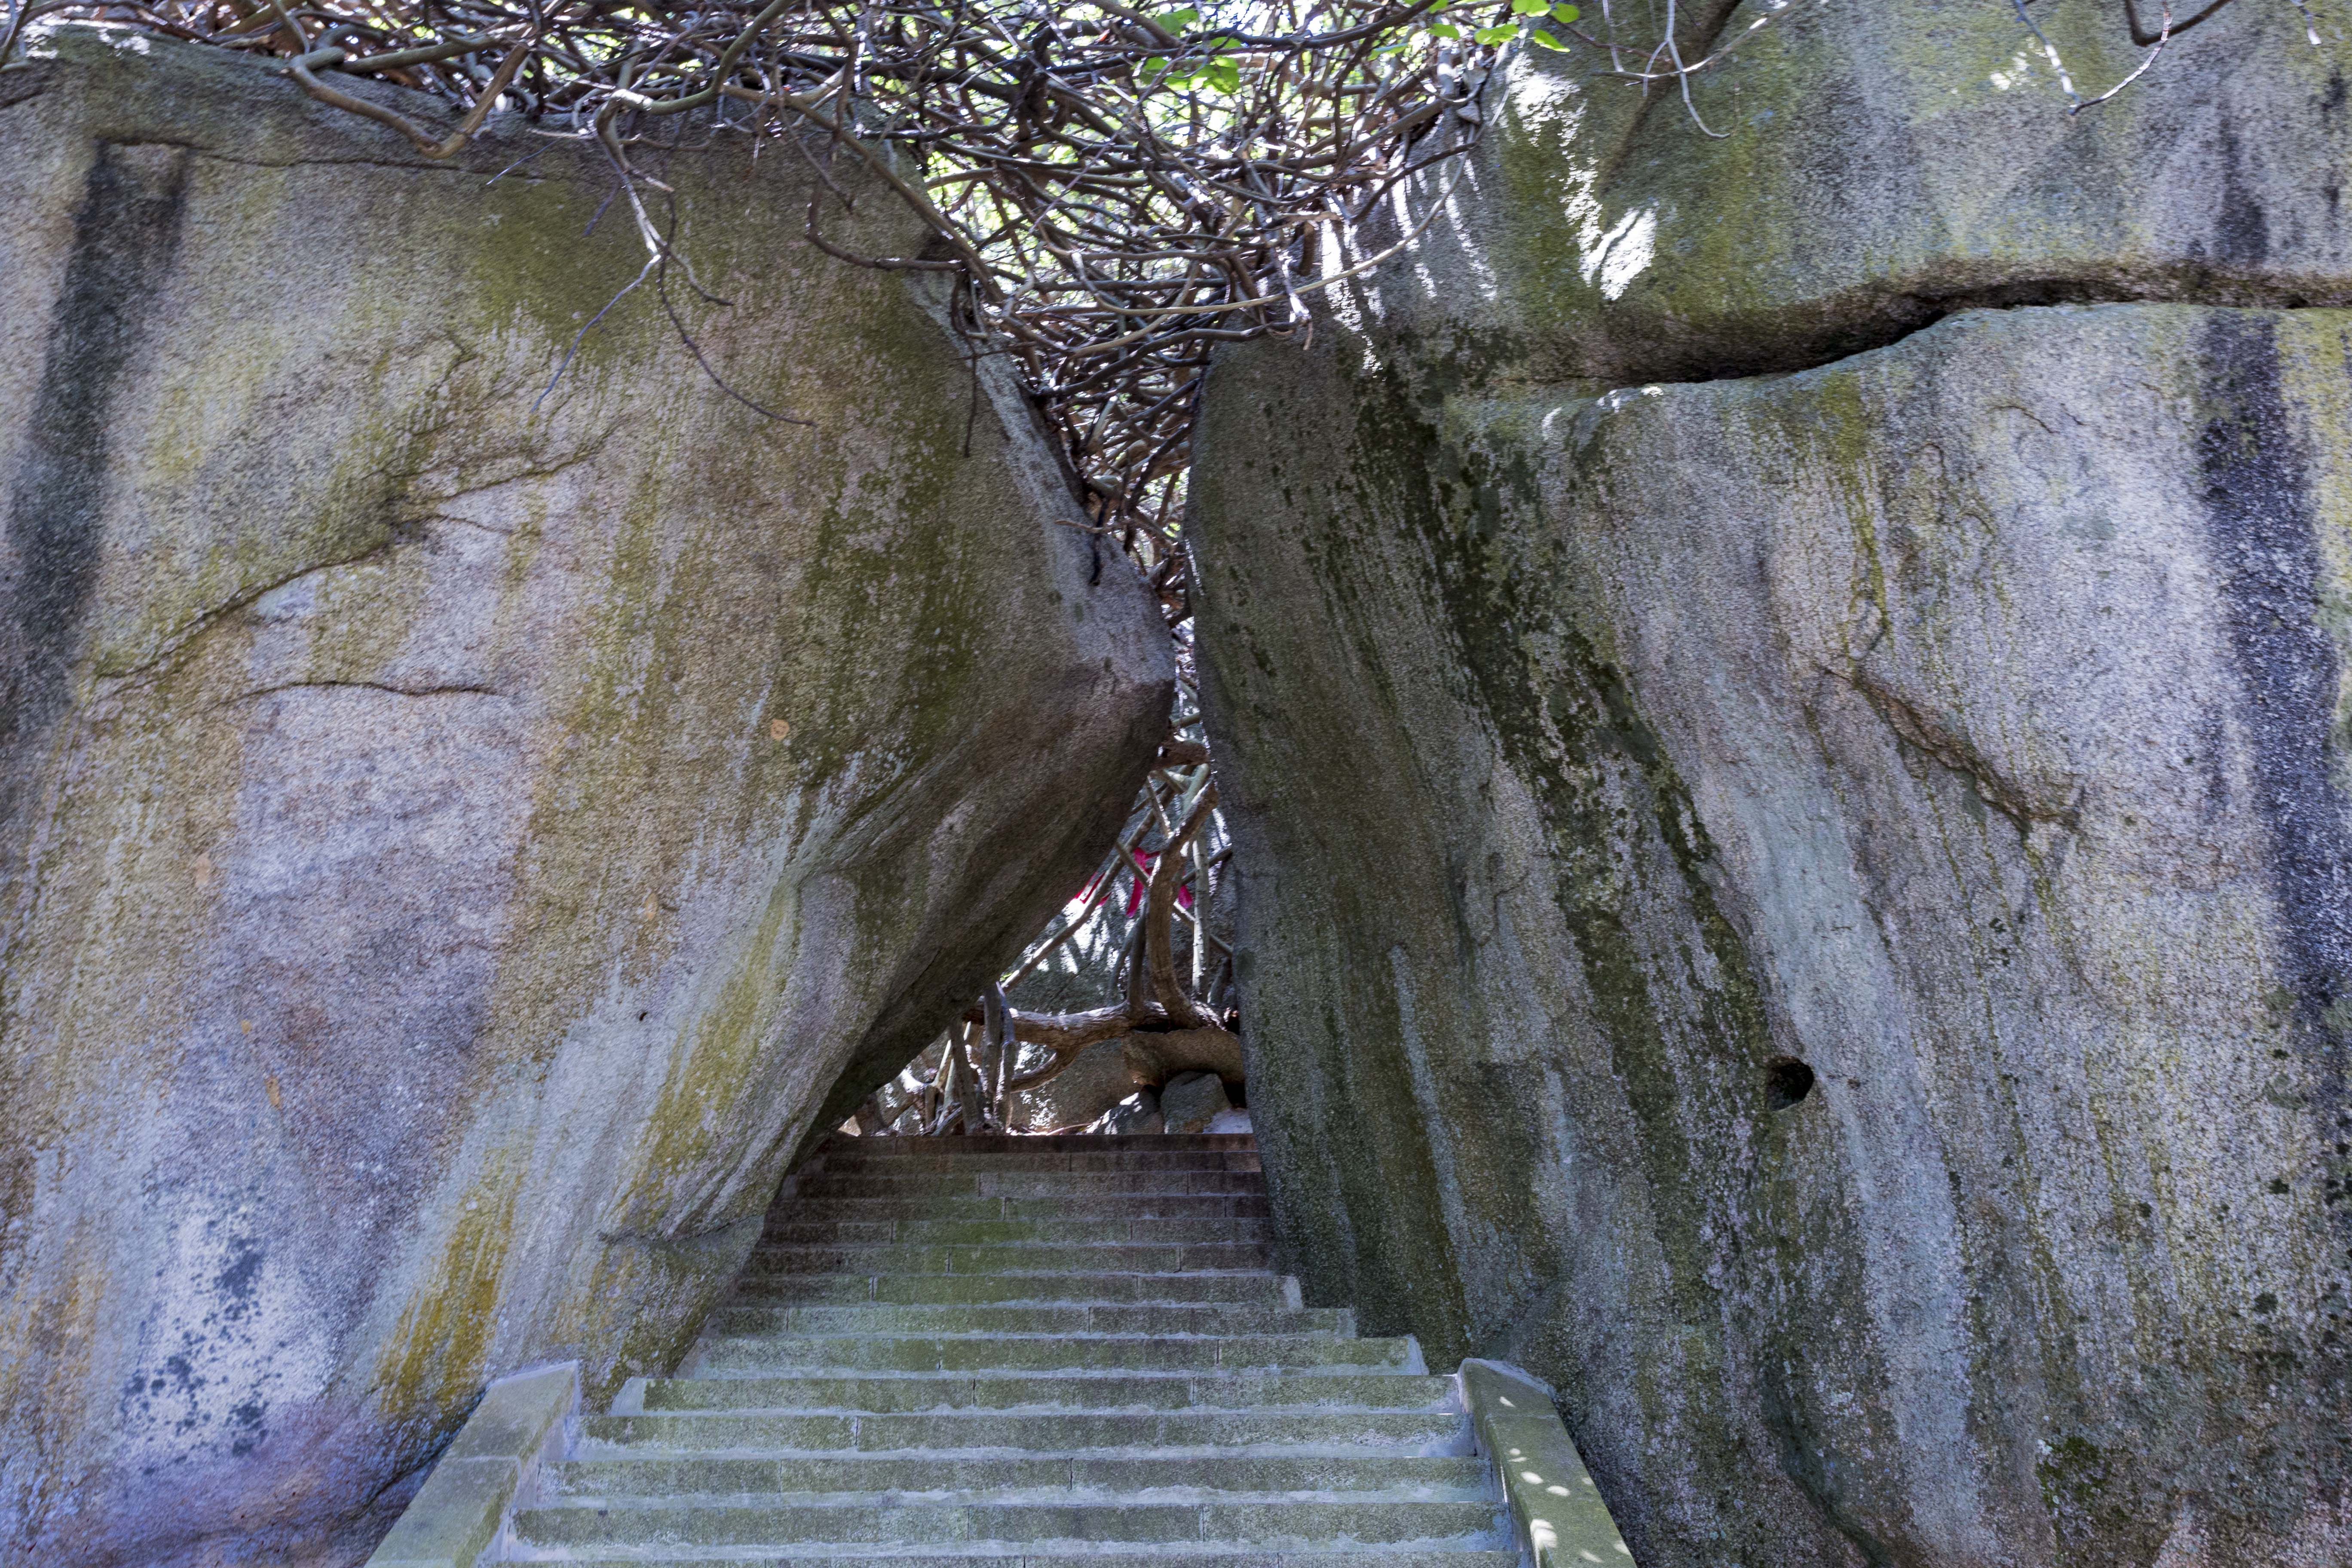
(455, 835)
(1781, 703)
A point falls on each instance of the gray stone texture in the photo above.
(1138, 1114)
(1190, 1101)
(1560, 1520)
(453, 840)
(1074, 1097)
(1957, 712)
(1877, 167)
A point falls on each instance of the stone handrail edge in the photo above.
(458, 1518)
(1556, 1510)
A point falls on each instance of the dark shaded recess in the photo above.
(125, 234)
(2260, 521)
(1786, 1081)
(2262, 527)
(2241, 230)
(1809, 1458)
(1877, 316)
(22, 81)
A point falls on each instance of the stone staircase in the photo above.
(1065, 1351)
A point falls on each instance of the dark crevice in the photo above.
(1858, 324)
(116, 681)
(22, 82)
(1928, 735)
(2260, 498)
(1787, 1082)
(126, 235)
(2260, 509)
(447, 690)
(402, 165)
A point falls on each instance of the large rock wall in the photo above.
(1814, 910)
(454, 838)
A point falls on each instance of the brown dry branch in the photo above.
(1113, 192)
(1160, 963)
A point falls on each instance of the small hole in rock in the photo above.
(1787, 1080)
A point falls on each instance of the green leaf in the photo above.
(1445, 30)
(1496, 35)
(1546, 39)
(1155, 65)
(1531, 8)
(1565, 13)
(1224, 76)
(1178, 20)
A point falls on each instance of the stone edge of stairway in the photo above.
(461, 1514)
(1556, 1510)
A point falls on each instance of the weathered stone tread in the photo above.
(1045, 1286)
(1431, 1431)
(1224, 1391)
(1125, 1556)
(1037, 1351)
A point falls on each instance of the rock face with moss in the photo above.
(457, 833)
(1813, 909)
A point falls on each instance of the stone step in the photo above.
(741, 1317)
(1045, 1288)
(1384, 1391)
(1020, 1353)
(720, 1354)
(987, 1184)
(1163, 1205)
(975, 1477)
(1025, 1144)
(1249, 1521)
(1431, 1431)
(1129, 1228)
(1205, 1556)
(1084, 1160)
(1014, 1257)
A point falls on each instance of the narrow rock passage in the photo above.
(1058, 1350)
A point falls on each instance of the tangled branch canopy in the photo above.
(1111, 191)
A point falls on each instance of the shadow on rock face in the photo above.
(1831, 925)
(457, 839)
